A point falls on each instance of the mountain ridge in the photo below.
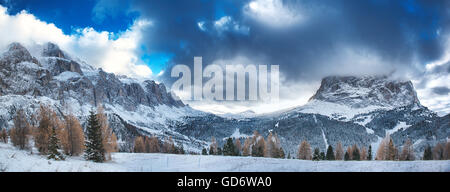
(353, 110)
(54, 78)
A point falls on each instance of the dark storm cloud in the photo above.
(399, 32)
(441, 90)
(176, 29)
(442, 69)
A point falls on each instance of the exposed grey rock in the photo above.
(55, 79)
(397, 102)
(52, 50)
(56, 76)
(364, 91)
(17, 53)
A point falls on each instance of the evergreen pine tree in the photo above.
(346, 156)
(316, 155)
(53, 147)
(289, 155)
(204, 151)
(175, 150)
(322, 156)
(94, 147)
(229, 148)
(330, 153)
(427, 155)
(369, 156)
(356, 156)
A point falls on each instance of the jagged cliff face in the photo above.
(20, 72)
(351, 110)
(358, 92)
(54, 78)
(55, 75)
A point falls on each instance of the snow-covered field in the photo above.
(15, 160)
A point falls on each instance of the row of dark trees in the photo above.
(55, 137)
(441, 151)
(352, 153)
(386, 151)
(52, 135)
(257, 146)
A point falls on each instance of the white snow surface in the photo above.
(399, 126)
(66, 75)
(324, 138)
(370, 131)
(14, 160)
(332, 110)
(237, 135)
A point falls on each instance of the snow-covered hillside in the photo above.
(351, 110)
(365, 91)
(51, 77)
(12, 159)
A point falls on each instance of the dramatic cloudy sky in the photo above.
(409, 39)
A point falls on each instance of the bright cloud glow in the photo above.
(272, 12)
(293, 94)
(201, 25)
(436, 76)
(117, 55)
(224, 24)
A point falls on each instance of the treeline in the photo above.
(258, 146)
(57, 138)
(145, 144)
(352, 153)
(386, 151)
(255, 146)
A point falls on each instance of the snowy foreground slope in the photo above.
(15, 160)
(348, 109)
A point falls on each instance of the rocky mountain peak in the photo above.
(15, 46)
(57, 76)
(17, 53)
(52, 50)
(359, 92)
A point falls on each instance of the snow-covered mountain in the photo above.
(352, 110)
(52, 77)
(361, 92)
